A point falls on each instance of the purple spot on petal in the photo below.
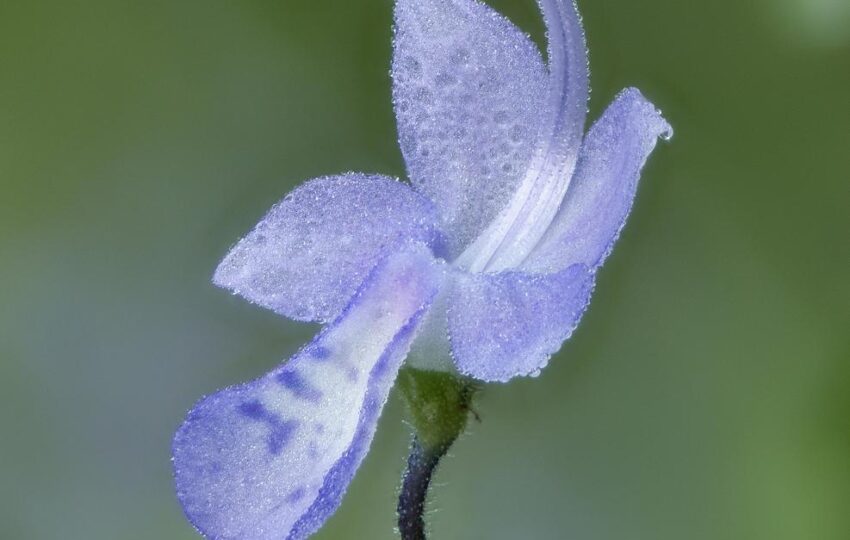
(338, 477)
(280, 435)
(299, 386)
(253, 410)
(280, 431)
(296, 495)
(320, 353)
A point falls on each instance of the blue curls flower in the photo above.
(481, 266)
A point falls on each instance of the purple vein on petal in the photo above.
(254, 460)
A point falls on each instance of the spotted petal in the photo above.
(509, 324)
(601, 195)
(470, 93)
(272, 458)
(307, 257)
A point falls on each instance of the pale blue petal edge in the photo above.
(307, 257)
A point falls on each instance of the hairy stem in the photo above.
(438, 405)
(421, 464)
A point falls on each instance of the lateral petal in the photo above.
(272, 458)
(311, 252)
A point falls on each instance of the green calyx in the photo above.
(438, 405)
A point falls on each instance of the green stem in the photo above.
(438, 405)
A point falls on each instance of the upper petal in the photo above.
(308, 255)
(523, 221)
(272, 458)
(470, 93)
(505, 325)
(600, 198)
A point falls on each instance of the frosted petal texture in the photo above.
(506, 325)
(271, 459)
(569, 77)
(601, 195)
(470, 93)
(518, 228)
(309, 254)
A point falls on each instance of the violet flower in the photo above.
(480, 267)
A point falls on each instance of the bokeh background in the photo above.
(706, 394)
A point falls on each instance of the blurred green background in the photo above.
(705, 396)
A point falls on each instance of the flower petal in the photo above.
(272, 458)
(470, 98)
(520, 225)
(569, 77)
(604, 187)
(509, 324)
(309, 254)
